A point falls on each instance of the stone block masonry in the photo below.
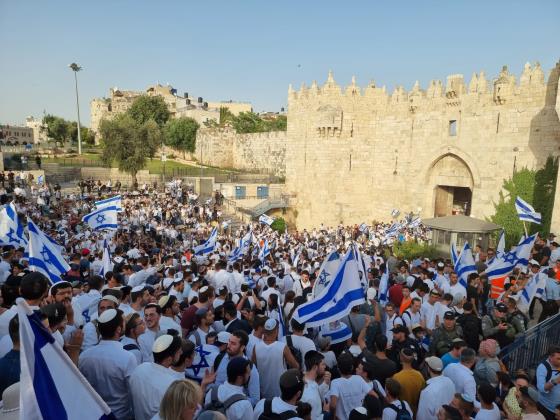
(255, 152)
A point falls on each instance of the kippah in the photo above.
(107, 316)
(162, 343)
(163, 301)
(137, 289)
(203, 289)
(111, 298)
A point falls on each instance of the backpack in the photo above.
(549, 371)
(130, 347)
(267, 413)
(402, 413)
(216, 405)
(295, 351)
(218, 360)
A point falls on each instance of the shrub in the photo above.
(279, 225)
(411, 250)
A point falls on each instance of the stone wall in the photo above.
(354, 155)
(259, 152)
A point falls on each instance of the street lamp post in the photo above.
(76, 68)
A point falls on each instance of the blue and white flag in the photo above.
(414, 222)
(103, 218)
(41, 179)
(501, 248)
(11, 230)
(464, 264)
(52, 387)
(204, 356)
(326, 273)
(106, 262)
(526, 212)
(337, 331)
(115, 201)
(363, 228)
(264, 251)
(209, 245)
(395, 212)
(384, 286)
(392, 230)
(337, 299)
(44, 255)
(267, 220)
(534, 288)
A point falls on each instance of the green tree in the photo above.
(248, 122)
(58, 128)
(280, 123)
(279, 225)
(146, 108)
(180, 133)
(225, 115)
(535, 187)
(128, 143)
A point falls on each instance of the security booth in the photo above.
(459, 229)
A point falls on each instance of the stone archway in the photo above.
(453, 184)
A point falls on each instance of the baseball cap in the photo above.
(501, 307)
(449, 315)
(434, 363)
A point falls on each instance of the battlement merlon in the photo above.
(502, 89)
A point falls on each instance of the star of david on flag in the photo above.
(204, 356)
(11, 230)
(103, 218)
(44, 256)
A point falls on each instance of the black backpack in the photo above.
(267, 413)
(402, 413)
(295, 351)
(216, 405)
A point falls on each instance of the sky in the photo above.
(249, 50)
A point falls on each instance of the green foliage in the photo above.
(180, 133)
(248, 122)
(280, 123)
(128, 143)
(225, 115)
(145, 108)
(61, 130)
(279, 225)
(535, 187)
(410, 250)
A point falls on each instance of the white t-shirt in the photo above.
(493, 414)
(350, 393)
(390, 414)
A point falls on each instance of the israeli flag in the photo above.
(534, 288)
(44, 256)
(395, 212)
(41, 179)
(526, 212)
(326, 273)
(106, 262)
(115, 201)
(337, 331)
(204, 356)
(362, 228)
(337, 299)
(414, 222)
(501, 248)
(267, 220)
(11, 230)
(209, 245)
(393, 230)
(464, 264)
(384, 286)
(103, 218)
(264, 251)
(52, 387)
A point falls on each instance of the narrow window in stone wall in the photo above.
(498, 124)
(452, 128)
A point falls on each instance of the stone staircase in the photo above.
(62, 174)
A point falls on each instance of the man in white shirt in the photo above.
(454, 287)
(152, 315)
(150, 380)
(461, 374)
(291, 389)
(394, 403)
(439, 390)
(302, 283)
(107, 366)
(313, 393)
(169, 314)
(231, 393)
(299, 341)
(88, 301)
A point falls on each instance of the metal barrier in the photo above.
(530, 349)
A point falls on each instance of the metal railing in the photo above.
(531, 348)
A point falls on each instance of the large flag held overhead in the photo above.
(463, 263)
(209, 245)
(384, 286)
(242, 249)
(504, 265)
(11, 230)
(115, 201)
(337, 299)
(52, 387)
(103, 218)
(526, 212)
(267, 220)
(44, 255)
(326, 273)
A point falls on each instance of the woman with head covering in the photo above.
(488, 365)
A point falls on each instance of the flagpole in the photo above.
(525, 228)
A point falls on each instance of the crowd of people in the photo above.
(168, 333)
